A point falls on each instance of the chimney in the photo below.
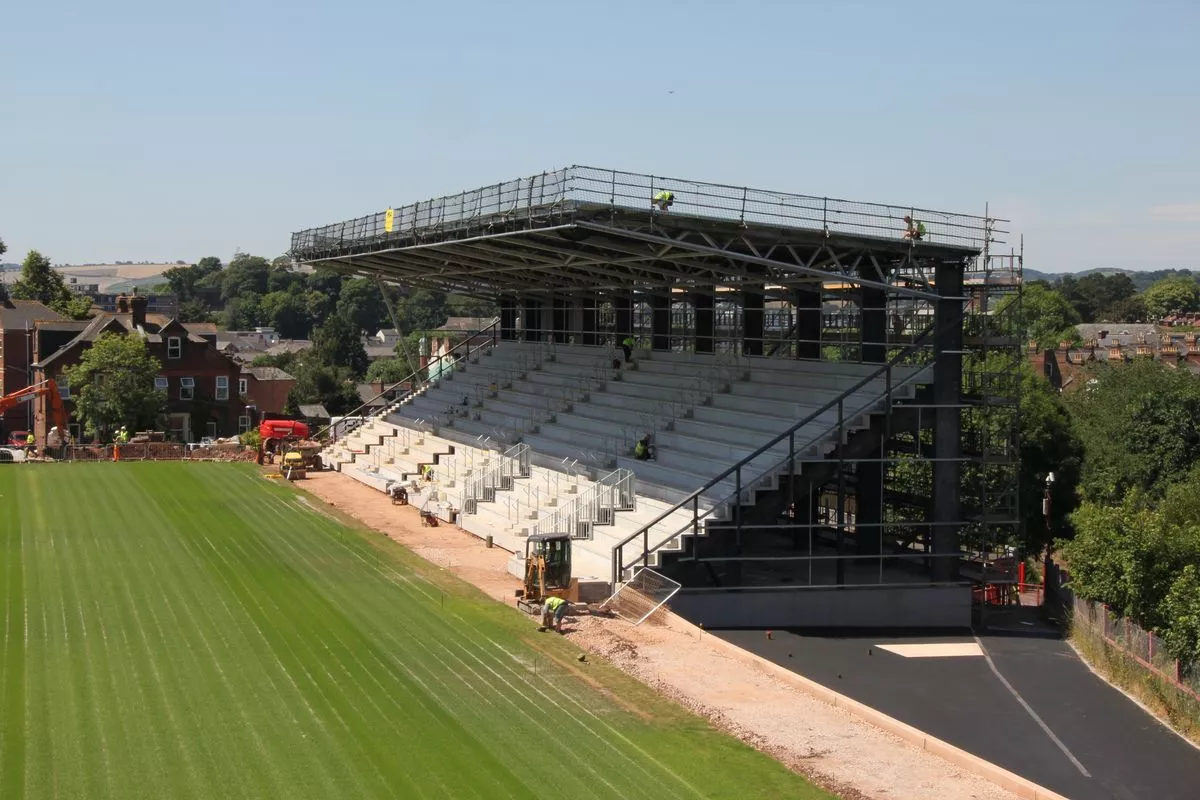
(137, 307)
(122, 304)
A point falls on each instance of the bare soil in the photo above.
(826, 744)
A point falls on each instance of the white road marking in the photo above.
(1041, 724)
(934, 650)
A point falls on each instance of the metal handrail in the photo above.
(416, 374)
(693, 499)
(616, 491)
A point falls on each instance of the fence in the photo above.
(158, 451)
(1139, 644)
(562, 193)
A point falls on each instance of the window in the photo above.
(187, 388)
(160, 383)
(64, 387)
(243, 387)
(210, 430)
(222, 387)
(174, 347)
(243, 424)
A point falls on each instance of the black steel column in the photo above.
(623, 305)
(590, 315)
(508, 317)
(868, 507)
(560, 319)
(752, 320)
(533, 320)
(873, 325)
(703, 304)
(660, 321)
(808, 322)
(947, 419)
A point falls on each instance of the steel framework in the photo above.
(582, 255)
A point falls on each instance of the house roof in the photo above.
(314, 411)
(268, 374)
(17, 314)
(464, 324)
(369, 394)
(289, 346)
(64, 325)
(123, 322)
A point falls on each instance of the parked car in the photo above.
(11, 455)
(17, 438)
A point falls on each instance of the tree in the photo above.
(3, 247)
(338, 343)
(184, 280)
(39, 281)
(423, 310)
(287, 313)
(246, 275)
(1094, 295)
(362, 304)
(388, 370)
(284, 280)
(1045, 316)
(1172, 296)
(1181, 616)
(1140, 428)
(1048, 445)
(194, 310)
(332, 387)
(243, 312)
(1131, 309)
(113, 384)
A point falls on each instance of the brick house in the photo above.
(18, 321)
(1114, 343)
(200, 382)
(265, 388)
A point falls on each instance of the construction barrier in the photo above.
(158, 451)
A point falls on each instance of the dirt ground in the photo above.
(836, 750)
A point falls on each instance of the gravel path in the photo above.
(849, 757)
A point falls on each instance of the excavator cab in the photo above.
(547, 569)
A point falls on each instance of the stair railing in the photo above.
(736, 471)
(616, 491)
(416, 380)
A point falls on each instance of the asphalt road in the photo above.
(1096, 743)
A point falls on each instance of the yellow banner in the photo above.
(389, 219)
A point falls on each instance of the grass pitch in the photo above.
(193, 631)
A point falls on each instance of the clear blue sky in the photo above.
(146, 130)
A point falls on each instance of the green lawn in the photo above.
(193, 631)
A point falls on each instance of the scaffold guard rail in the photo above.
(564, 195)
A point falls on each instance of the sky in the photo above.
(144, 130)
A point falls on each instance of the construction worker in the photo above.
(30, 444)
(627, 345)
(643, 450)
(663, 200)
(553, 611)
(122, 436)
(427, 472)
(914, 229)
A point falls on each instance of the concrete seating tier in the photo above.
(575, 411)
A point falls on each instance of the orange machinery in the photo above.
(48, 389)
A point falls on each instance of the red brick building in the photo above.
(200, 383)
(18, 321)
(265, 388)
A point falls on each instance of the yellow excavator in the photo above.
(547, 570)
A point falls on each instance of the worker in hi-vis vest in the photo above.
(553, 611)
(627, 345)
(914, 229)
(663, 200)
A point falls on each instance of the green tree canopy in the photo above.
(194, 310)
(287, 313)
(39, 281)
(422, 310)
(1094, 295)
(1048, 445)
(388, 370)
(337, 343)
(184, 280)
(1172, 295)
(113, 385)
(332, 387)
(1140, 428)
(362, 304)
(246, 275)
(1045, 316)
